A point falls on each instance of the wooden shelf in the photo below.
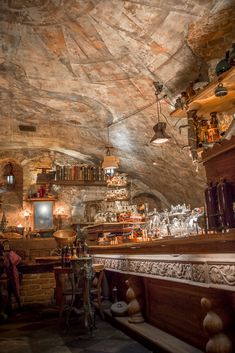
(117, 186)
(206, 102)
(33, 199)
(117, 200)
(74, 182)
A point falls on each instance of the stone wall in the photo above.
(211, 36)
(72, 200)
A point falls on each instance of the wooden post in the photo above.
(134, 309)
(214, 325)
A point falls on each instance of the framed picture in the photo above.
(43, 215)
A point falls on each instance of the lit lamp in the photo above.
(8, 173)
(110, 163)
(160, 135)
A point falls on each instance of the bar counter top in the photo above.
(217, 243)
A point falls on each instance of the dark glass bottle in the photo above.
(212, 207)
(95, 174)
(100, 173)
(85, 173)
(225, 202)
(67, 256)
(63, 250)
(58, 172)
(223, 65)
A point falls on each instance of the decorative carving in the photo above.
(222, 274)
(198, 273)
(214, 326)
(217, 274)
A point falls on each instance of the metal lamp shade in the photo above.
(110, 162)
(160, 135)
(220, 90)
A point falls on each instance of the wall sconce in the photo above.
(160, 135)
(26, 214)
(59, 215)
(9, 175)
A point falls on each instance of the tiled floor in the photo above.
(40, 331)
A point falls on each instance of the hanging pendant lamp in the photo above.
(160, 135)
(110, 162)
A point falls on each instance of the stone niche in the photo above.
(74, 203)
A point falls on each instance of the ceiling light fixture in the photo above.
(160, 135)
(221, 90)
(110, 162)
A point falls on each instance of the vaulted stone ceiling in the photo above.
(71, 68)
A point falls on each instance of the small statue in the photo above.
(190, 90)
(184, 99)
(213, 130)
(179, 104)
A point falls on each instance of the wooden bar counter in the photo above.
(199, 244)
(185, 285)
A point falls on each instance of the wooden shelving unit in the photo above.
(33, 199)
(74, 183)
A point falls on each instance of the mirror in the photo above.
(43, 215)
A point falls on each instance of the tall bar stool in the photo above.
(81, 286)
(73, 290)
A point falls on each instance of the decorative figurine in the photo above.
(134, 309)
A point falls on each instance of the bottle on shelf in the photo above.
(63, 250)
(226, 204)
(212, 209)
(67, 256)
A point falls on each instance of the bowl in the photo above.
(65, 236)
